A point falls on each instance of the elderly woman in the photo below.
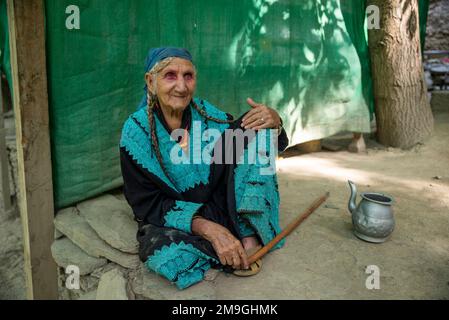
(194, 215)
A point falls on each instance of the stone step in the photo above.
(112, 286)
(112, 219)
(66, 253)
(75, 227)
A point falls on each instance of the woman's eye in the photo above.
(170, 75)
(188, 76)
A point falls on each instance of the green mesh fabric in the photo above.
(308, 59)
(423, 11)
(4, 44)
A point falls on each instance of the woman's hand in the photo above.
(228, 248)
(260, 117)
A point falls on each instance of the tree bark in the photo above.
(403, 113)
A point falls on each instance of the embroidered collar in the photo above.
(136, 139)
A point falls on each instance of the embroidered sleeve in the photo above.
(150, 200)
(180, 216)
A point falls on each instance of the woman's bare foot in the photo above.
(250, 242)
(251, 245)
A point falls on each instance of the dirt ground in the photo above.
(12, 278)
(322, 259)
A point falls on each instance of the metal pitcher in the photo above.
(373, 217)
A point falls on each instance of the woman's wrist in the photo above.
(201, 227)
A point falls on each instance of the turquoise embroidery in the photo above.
(257, 195)
(245, 228)
(180, 263)
(136, 140)
(193, 275)
(138, 145)
(180, 217)
(185, 175)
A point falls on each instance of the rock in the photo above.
(88, 283)
(64, 294)
(58, 234)
(112, 286)
(65, 253)
(328, 146)
(97, 273)
(357, 144)
(211, 274)
(331, 206)
(154, 287)
(437, 33)
(112, 220)
(129, 292)
(11, 149)
(71, 224)
(91, 295)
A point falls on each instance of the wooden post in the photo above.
(30, 100)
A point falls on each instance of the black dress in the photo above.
(164, 208)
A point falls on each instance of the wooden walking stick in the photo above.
(292, 226)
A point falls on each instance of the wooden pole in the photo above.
(30, 100)
(292, 226)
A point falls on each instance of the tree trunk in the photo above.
(403, 113)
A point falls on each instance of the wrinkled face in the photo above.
(174, 85)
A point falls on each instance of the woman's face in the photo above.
(174, 85)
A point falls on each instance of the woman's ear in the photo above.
(150, 83)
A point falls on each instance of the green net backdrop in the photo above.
(308, 59)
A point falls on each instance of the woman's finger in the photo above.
(229, 260)
(253, 123)
(266, 125)
(249, 114)
(236, 261)
(257, 120)
(252, 103)
(222, 259)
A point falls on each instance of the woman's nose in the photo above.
(181, 85)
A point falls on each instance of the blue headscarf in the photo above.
(158, 54)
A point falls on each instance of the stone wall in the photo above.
(11, 149)
(99, 237)
(437, 33)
